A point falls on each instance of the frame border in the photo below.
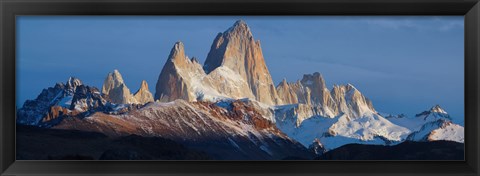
(470, 9)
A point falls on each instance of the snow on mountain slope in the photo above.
(71, 96)
(370, 128)
(438, 130)
(70, 99)
(342, 116)
(449, 132)
(434, 124)
(233, 130)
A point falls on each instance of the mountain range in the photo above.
(230, 108)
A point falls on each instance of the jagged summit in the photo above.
(436, 112)
(237, 39)
(239, 29)
(283, 82)
(234, 68)
(240, 22)
(143, 94)
(115, 90)
(434, 124)
(71, 97)
(177, 54)
(73, 82)
(312, 90)
(320, 94)
(174, 81)
(237, 50)
(438, 109)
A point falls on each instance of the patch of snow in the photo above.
(449, 132)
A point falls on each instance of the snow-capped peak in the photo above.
(438, 109)
(435, 112)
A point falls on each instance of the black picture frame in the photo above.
(11, 8)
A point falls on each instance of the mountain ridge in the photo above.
(232, 96)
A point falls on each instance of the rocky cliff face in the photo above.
(116, 91)
(320, 95)
(234, 68)
(237, 50)
(173, 82)
(143, 95)
(350, 100)
(287, 94)
(184, 78)
(312, 91)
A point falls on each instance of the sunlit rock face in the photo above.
(143, 94)
(234, 68)
(237, 50)
(115, 90)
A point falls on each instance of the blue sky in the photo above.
(403, 64)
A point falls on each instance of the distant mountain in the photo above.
(432, 125)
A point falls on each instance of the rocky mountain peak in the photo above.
(239, 29)
(177, 54)
(319, 92)
(71, 96)
(283, 83)
(73, 82)
(237, 50)
(240, 23)
(434, 113)
(286, 93)
(114, 79)
(315, 79)
(143, 94)
(117, 77)
(174, 79)
(144, 85)
(115, 90)
(438, 109)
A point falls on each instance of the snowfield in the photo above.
(369, 128)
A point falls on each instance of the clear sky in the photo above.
(403, 64)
